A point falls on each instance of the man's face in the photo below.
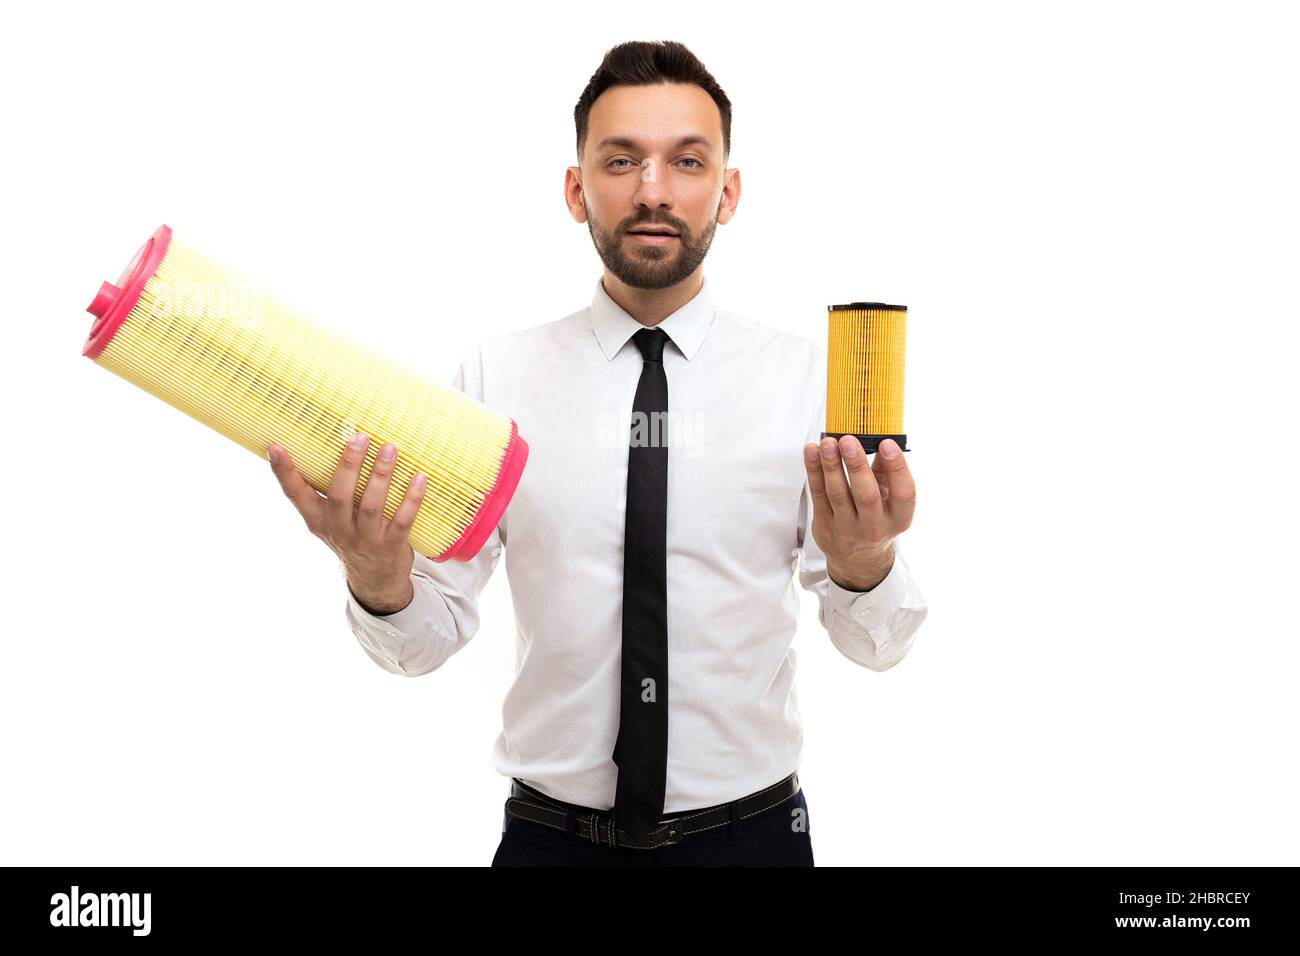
(653, 161)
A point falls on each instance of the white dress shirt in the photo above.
(743, 398)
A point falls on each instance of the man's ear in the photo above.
(573, 193)
(730, 195)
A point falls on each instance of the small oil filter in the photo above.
(865, 351)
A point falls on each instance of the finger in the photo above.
(837, 487)
(862, 482)
(308, 501)
(340, 510)
(893, 472)
(816, 480)
(404, 516)
(370, 513)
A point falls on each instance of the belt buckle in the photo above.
(617, 836)
(674, 834)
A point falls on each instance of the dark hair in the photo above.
(644, 63)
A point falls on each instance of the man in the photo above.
(653, 718)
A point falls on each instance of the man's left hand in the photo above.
(856, 518)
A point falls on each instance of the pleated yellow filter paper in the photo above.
(204, 339)
(865, 351)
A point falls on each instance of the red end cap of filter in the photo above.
(494, 504)
(113, 303)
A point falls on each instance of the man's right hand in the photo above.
(374, 550)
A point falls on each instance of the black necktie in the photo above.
(641, 751)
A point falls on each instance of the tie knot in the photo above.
(651, 343)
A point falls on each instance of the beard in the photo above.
(651, 267)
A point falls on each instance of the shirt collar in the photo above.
(686, 327)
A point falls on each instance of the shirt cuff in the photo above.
(403, 623)
(874, 607)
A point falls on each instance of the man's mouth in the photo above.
(651, 236)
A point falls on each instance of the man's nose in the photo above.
(653, 189)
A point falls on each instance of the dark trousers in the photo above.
(778, 836)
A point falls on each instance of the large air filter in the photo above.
(207, 341)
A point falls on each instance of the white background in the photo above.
(1090, 210)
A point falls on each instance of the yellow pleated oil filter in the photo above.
(207, 341)
(865, 349)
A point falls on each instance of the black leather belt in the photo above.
(599, 827)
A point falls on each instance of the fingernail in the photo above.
(889, 448)
(273, 455)
(828, 448)
(387, 452)
(419, 479)
(810, 453)
(849, 445)
(359, 440)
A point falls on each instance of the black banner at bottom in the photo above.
(1221, 907)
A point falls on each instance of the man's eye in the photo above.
(613, 161)
(689, 160)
